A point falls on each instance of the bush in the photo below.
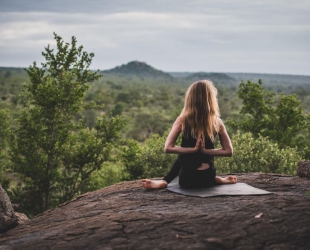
(108, 175)
(258, 155)
(250, 155)
(147, 161)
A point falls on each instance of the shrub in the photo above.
(147, 161)
(258, 155)
(250, 155)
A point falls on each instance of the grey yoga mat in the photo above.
(229, 189)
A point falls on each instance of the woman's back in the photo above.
(194, 160)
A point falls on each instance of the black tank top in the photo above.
(194, 160)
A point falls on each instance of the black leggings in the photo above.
(174, 171)
(191, 178)
(197, 178)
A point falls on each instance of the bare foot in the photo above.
(153, 184)
(226, 180)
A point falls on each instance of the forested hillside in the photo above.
(138, 90)
(268, 121)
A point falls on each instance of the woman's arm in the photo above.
(226, 150)
(170, 146)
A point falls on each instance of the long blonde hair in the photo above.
(200, 114)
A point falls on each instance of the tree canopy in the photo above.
(53, 153)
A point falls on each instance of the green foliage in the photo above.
(118, 109)
(109, 174)
(85, 152)
(290, 122)
(147, 124)
(258, 155)
(147, 161)
(11, 80)
(156, 162)
(132, 161)
(278, 117)
(4, 134)
(54, 154)
(4, 129)
(250, 155)
(257, 104)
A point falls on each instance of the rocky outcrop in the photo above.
(124, 216)
(303, 169)
(8, 218)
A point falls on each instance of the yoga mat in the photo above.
(218, 190)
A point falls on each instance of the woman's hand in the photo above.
(202, 146)
(198, 145)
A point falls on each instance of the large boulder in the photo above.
(8, 218)
(124, 216)
(303, 169)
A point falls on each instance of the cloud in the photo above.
(171, 35)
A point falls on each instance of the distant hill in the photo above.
(138, 69)
(217, 78)
(272, 79)
(8, 71)
(142, 72)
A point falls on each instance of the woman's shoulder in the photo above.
(178, 123)
(220, 125)
(179, 119)
(219, 120)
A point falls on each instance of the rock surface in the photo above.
(303, 169)
(8, 218)
(124, 216)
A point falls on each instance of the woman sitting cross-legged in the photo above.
(199, 123)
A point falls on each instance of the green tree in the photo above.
(290, 122)
(118, 109)
(257, 112)
(278, 117)
(54, 154)
(86, 151)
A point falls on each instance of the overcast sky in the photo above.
(267, 36)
